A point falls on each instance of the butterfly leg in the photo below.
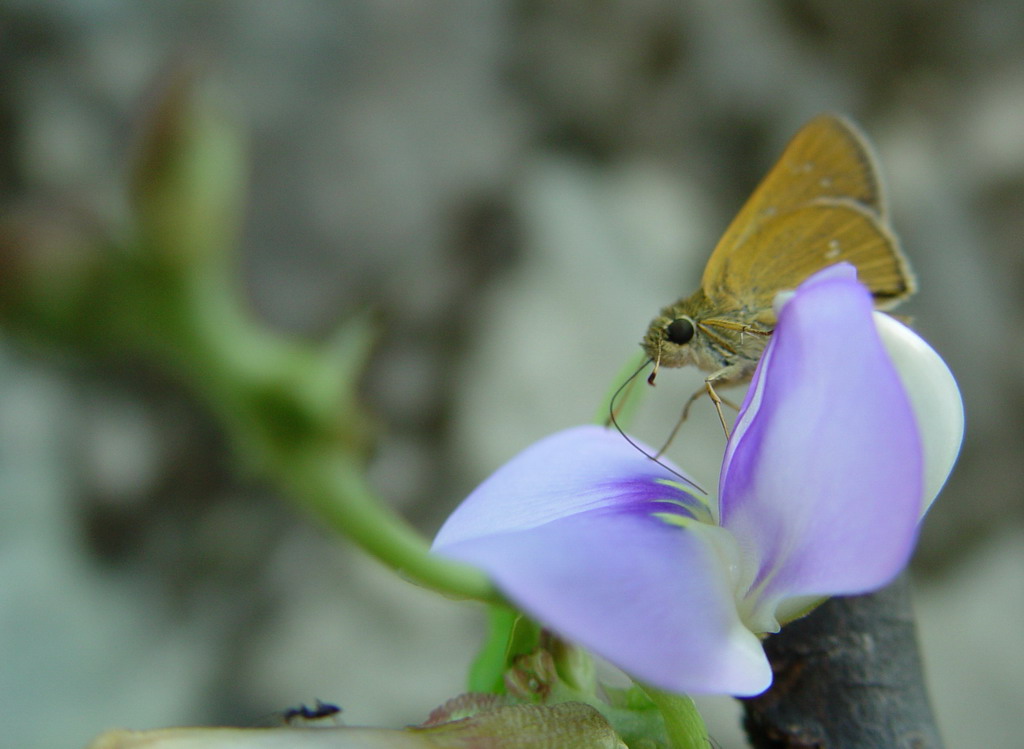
(679, 422)
(738, 327)
(729, 403)
(718, 400)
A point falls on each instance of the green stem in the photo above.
(332, 485)
(291, 413)
(683, 723)
(487, 673)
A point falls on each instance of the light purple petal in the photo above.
(583, 533)
(651, 597)
(572, 471)
(822, 481)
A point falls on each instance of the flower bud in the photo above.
(188, 178)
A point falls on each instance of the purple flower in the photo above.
(848, 431)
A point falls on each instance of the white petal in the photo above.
(934, 396)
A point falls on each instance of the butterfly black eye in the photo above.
(680, 330)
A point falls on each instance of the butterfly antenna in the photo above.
(614, 422)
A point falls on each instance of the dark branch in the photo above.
(848, 676)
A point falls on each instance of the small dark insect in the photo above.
(301, 714)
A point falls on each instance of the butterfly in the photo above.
(821, 204)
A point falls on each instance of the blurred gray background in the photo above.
(515, 186)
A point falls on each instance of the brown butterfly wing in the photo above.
(793, 245)
(821, 204)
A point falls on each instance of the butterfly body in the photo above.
(724, 338)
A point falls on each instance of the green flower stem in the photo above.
(333, 487)
(683, 723)
(487, 672)
(163, 285)
(290, 410)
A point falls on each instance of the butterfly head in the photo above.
(669, 342)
